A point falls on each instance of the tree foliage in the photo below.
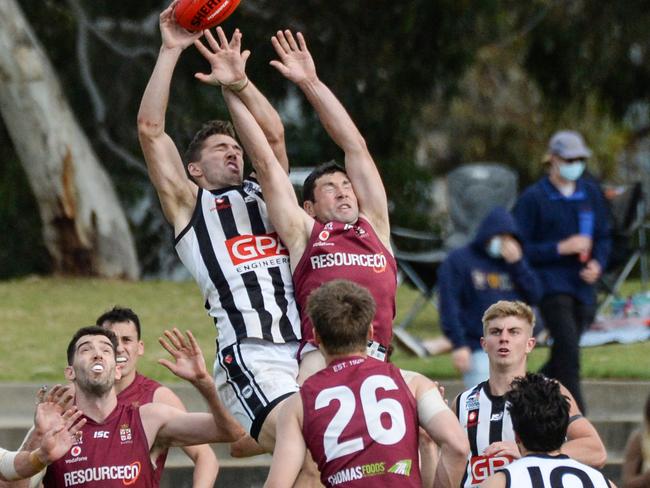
(431, 83)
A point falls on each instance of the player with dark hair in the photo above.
(540, 416)
(343, 232)
(223, 234)
(507, 340)
(119, 443)
(359, 417)
(136, 389)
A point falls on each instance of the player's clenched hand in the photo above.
(295, 62)
(189, 363)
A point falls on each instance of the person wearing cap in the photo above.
(563, 220)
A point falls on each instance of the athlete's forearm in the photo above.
(153, 107)
(206, 465)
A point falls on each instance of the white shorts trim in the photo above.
(253, 376)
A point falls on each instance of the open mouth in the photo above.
(120, 359)
(97, 368)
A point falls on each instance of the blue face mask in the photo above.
(572, 171)
(494, 247)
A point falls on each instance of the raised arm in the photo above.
(228, 69)
(297, 65)
(181, 429)
(206, 466)
(290, 221)
(176, 193)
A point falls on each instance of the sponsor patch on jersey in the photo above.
(255, 248)
(100, 475)
(336, 259)
(472, 403)
(472, 418)
(75, 451)
(247, 392)
(220, 203)
(357, 473)
(324, 235)
(482, 467)
(359, 231)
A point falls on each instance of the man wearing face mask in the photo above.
(564, 224)
(488, 269)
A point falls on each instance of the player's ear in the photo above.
(68, 372)
(483, 343)
(317, 340)
(308, 205)
(371, 333)
(194, 170)
(140, 348)
(530, 344)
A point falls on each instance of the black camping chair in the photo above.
(418, 255)
(472, 191)
(628, 215)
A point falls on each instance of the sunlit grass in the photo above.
(39, 315)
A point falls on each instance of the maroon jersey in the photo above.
(114, 453)
(360, 424)
(351, 252)
(141, 392)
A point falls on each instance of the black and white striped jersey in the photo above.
(485, 419)
(545, 471)
(242, 268)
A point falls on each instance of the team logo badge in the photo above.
(125, 433)
(247, 392)
(220, 203)
(227, 359)
(324, 235)
(330, 226)
(359, 231)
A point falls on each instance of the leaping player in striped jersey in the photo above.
(507, 340)
(540, 416)
(223, 234)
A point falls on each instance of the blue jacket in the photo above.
(469, 281)
(545, 217)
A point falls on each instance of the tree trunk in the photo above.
(84, 227)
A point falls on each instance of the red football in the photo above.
(196, 15)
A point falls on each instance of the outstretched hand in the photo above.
(58, 441)
(173, 35)
(295, 62)
(227, 61)
(189, 363)
(50, 407)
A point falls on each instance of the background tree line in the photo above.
(431, 83)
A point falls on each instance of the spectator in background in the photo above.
(636, 461)
(564, 223)
(473, 277)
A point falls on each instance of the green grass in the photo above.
(39, 315)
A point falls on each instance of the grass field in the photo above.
(39, 315)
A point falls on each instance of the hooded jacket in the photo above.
(469, 281)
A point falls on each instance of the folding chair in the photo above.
(418, 255)
(472, 191)
(628, 214)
